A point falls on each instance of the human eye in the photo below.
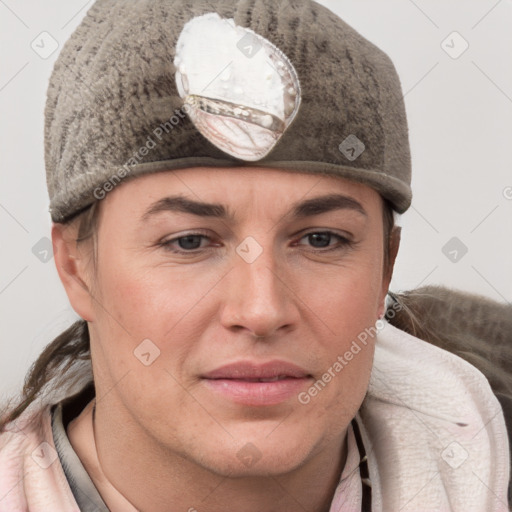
(321, 241)
(189, 243)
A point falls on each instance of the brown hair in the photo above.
(58, 367)
(420, 313)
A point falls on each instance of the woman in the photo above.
(223, 178)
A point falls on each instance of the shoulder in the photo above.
(433, 422)
(31, 476)
(473, 327)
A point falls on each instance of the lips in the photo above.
(257, 384)
(245, 370)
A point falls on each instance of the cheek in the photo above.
(155, 303)
(346, 305)
(348, 298)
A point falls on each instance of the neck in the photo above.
(132, 473)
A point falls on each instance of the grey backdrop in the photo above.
(454, 58)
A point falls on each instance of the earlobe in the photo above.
(71, 268)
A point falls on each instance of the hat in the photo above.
(154, 85)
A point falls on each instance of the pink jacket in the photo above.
(31, 476)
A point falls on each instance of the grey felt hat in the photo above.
(155, 85)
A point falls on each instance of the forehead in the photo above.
(239, 189)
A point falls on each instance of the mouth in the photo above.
(257, 384)
(272, 379)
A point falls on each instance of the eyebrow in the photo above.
(300, 210)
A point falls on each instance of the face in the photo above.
(231, 334)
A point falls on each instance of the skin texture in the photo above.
(162, 435)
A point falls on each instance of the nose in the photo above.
(260, 297)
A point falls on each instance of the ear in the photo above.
(71, 266)
(394, 244)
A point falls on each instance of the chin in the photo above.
(253, 462)
(257, 455)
